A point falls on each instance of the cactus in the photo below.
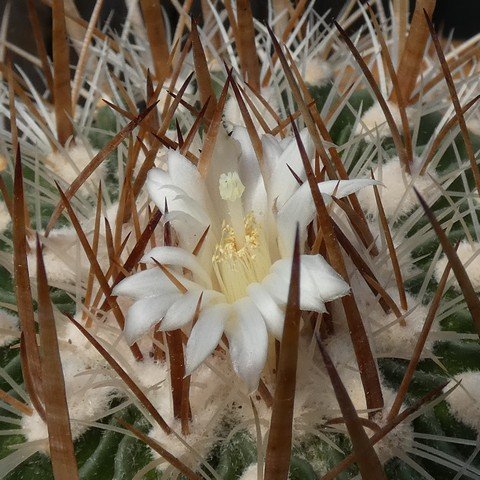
(235, 250)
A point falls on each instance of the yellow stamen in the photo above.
(235, 266)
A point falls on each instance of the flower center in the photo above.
(241, 257)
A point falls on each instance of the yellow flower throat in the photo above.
(241, 257)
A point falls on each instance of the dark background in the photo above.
(461, 16)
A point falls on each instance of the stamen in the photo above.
(236, 268)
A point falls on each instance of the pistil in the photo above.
(231, 190)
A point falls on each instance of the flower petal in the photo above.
(189, 231)
(272, 150)
(277, 284)
(316, 276)
(248, 342)
(329, 283)
(277, 287)
(187, 177)
(145, 313)
(205, 335)
(177, 199)
(178, 257)
(301, 208)
(148, 283)
(183, 310)
(272, 314)
(282, 183)
(249, 170)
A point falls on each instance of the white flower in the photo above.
(241, 274)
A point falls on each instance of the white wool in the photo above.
(390, 338)
(315, 400)
(400, 438)
(63, 255)
(146, 373)
(251, 473)
(83, 369)
(85, 401)
(317, 71)
(473, 124)
(374, 123)
(34, 429)
(463, 401)
(207, 395)
(469, 255)
(72, 340)
(9, 329)
(82, 407)
(233, 115)
(382, 264)
(215, 66)
(397, 194)
(69, 163)
(4, 217)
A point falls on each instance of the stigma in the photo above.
(230, 186)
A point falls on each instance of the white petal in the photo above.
(189, 205)
(248, 342)
(249, 171)
(145, 313)
(205, 335)
(277, 284)
(187, 228)
(187, 177)
(301, 208)
(158, 177)
(183, 310)
(329, 283)
(272, 150)
(177, 216)
(283, 183)
(277, 287)
(149, 282)
(273, 315)
(177, 199)
(189, 232)
(317, 277)
(156, 180)
(180, 258)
